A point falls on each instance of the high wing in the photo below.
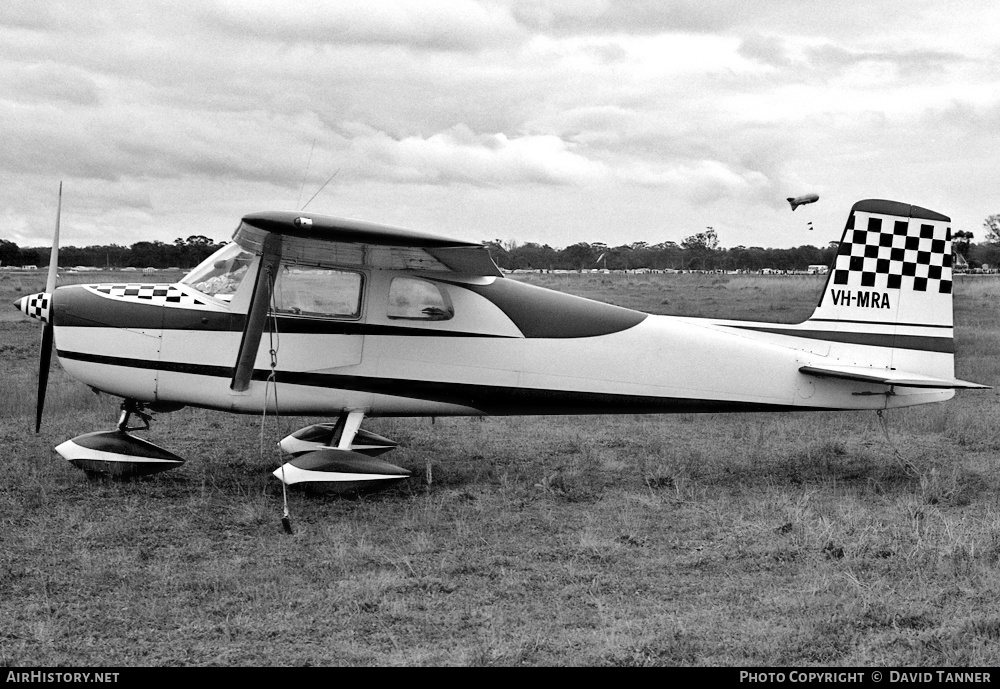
(339, 241)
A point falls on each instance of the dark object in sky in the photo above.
(796, 201)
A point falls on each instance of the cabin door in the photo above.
(319, 315)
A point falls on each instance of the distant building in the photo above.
(818, 270)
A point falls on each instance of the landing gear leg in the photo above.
(130, 407)
(352, 422)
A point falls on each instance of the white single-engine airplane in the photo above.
(369, 320)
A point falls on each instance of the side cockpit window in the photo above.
(414, 299)
(312, 291)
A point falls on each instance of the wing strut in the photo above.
(259, 304)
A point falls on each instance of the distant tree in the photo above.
(578, 256)
(188, 252)
(534, 256)
(498, 253)
(992, 225)
(10, 253)
(150, 254)
(707, 240)
(667, 255)
(960, 242)
(698, 249)
(984, 254)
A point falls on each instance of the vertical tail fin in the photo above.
(887, 305)
(893, 266)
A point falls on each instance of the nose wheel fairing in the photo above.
(119, 454)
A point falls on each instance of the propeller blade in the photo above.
(45, 351)
(44, 359)
(259, 304)
(50, 282)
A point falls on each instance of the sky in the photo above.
(549, 121)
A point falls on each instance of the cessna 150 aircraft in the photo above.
(379, 321)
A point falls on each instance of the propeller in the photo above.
(259, 303)
(45, 353)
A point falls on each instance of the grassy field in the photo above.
(822, 539)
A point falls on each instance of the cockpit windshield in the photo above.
(220, 274)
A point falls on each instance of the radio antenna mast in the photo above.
(302, 186)
(320, 189)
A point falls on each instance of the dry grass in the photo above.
(723, 540)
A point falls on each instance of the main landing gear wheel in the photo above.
(339, 457)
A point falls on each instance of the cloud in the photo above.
(617, 16)
(768, 50)
(461, 156)
(48, 82)
(429, 24)
(701, 182)
(906, 63)
(562, 112)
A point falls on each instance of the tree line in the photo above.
(700, 251)
(183, 253)
(663, 256)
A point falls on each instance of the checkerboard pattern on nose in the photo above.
(155, 294)
(37, 306)
(896, 254)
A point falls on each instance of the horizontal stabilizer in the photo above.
(888, 377)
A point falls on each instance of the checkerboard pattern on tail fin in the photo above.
(893, 266)
(886, 257)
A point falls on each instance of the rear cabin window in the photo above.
(312, 291)
(413, 299)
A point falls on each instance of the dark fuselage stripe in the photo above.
(543, 313)
(917, 342)
(908, 325)
(490, 399)
(186, 319)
